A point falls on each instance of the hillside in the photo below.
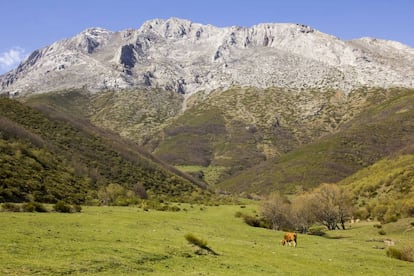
(225, 132)
(48, 155)
(135, 114)
(384, 190)
(383, 129)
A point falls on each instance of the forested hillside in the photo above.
(47, 155)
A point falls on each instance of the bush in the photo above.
(362, 213)
(174, 209)
(63, 207)
(393, 253)
(76, 208)
(196, 241)
(200, 243)
(407, 254)
(382, 232)
(11, 207)
(379, 226)
(34, 207)
(238, 214)
(317, 230)
(404, 254)
(255, 221)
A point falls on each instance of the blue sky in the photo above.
(26, 25)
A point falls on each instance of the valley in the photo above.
(168, 142)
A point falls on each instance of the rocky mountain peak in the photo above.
(179, 55)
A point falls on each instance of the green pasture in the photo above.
(130, 241)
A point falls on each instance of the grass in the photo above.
(129, 241)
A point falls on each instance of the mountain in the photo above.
(273, 106)
(47, 155)
(186, 57)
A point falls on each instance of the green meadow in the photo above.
(131, 241)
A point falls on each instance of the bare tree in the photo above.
(276, 210)
(345, 206)
(301, 212)
(331, 205)
(140, 191)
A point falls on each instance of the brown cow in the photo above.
(289, 238)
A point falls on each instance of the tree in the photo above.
(276, 210)
(345, 206)
(301, 212)
(140, 191)
(331, 205)
(109, 194)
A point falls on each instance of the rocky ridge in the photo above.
(186, 57)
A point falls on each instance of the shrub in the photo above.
(393, 253)
(407, 254)
(195, 240)
(317, 230)
(255, 221)
(62, 207)
(174, 209)
(389, 217)
(238, 214)
(200, 243)
(362, 213)
(379, 226)
(76, 208)
(382, 232)
(404, 254)
(11, 207)
(34, 207)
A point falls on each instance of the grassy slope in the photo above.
(389, 183)
(127, 241)
(377, 132)
(75, 158)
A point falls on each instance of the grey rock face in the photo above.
(186, 57)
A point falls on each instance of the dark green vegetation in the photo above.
(47, 155)
(130, 241)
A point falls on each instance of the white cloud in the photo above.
(11, 58)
